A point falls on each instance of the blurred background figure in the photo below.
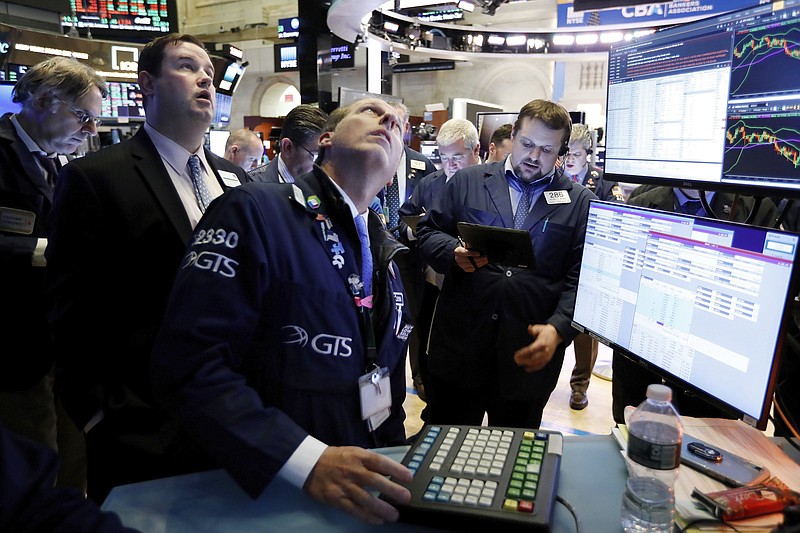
(244, 149)
(500, 144)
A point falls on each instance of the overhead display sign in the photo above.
(289, 28)
(648, 14)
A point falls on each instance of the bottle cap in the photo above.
(659, 392)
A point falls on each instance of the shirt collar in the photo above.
(30, 144)
(173, 153)
(283, 171)
(348, 201)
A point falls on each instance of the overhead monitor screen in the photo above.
(122, 19)
(124, 102)
(701, 301)
(713, 104)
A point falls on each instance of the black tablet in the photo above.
(411, 221)
(502, 246)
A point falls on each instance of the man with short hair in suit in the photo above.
(499, 332)
(119, 227)
(500, 144)
(244, 148)
(60, 99)
(299, 146)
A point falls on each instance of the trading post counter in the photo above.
(592, 479)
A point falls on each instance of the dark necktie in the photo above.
(366, 255)
(50, 169)
(201, 192)
(691, 207)
(527, 192)
(393, 204)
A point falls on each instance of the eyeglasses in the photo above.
(455, 158)
(82, 116)
(312, 154)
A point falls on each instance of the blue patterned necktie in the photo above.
(201, 191)
(393, 203)
(366, 255)
(524, 205)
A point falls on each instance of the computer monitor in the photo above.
(712, 104)
(701, 301)
(222, 109)
(217, 140)
(124, 103)
(7, 105)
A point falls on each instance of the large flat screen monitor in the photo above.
(713, 104)
(703, 302)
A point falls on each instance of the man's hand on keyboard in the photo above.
(344, 476)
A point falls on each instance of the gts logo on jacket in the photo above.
(323, 344)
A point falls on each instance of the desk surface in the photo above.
(212, 502)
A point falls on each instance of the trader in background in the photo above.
(500, 144)
(458, 141)
(283, 347)
(119, 226)
(244, 149)
(299, 146)
(578, 168)
(499, 332)
(60, 99)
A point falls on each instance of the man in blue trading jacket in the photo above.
(480, 357)
(274, 344)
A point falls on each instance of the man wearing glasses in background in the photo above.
(299, 145)
(59, 99)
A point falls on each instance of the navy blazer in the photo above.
(266, 173)
(117, 235)
(28, 354)
(487, 312)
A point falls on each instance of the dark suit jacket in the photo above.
(27, 350)
(481, 317)
(118, 235)
(267, 173)
(722, 204)
(414, 160)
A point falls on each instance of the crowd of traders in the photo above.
(169, 312)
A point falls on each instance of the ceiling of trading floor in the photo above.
(521, 14)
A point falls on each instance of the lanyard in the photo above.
(334, 247)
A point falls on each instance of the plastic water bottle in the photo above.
(655, 432)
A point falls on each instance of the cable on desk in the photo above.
(572, 511)
(707, 522)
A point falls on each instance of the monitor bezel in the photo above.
(786, 315)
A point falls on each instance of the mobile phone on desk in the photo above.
(721, 464)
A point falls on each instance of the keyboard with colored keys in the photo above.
(465, 476)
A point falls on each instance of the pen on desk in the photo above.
(544, 227)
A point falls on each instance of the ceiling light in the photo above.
(496, 40)
(586, 38)
(466, 6)
(516, 40)
(563, 39)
